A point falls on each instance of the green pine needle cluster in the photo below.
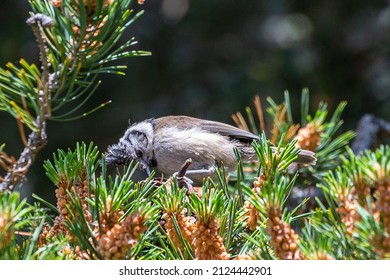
(160, 220)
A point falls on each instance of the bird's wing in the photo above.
(210, 126)
(304, 157)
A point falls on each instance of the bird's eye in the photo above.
(138, 153)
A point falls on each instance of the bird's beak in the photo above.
(145, 166)
(147, 170)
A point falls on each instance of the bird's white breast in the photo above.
(173, 146)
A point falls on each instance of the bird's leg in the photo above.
(196, 174)
(201, 172)
(206, 171)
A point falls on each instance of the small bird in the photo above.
(166, 143)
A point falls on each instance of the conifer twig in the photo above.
(37, 138)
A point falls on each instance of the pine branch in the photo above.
(37, 138)
(76, 41)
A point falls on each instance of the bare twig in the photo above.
(182, 180)
(6, 161)
(37, 139)
(21, 131)
(183, 168)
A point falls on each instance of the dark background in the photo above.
(209, 59)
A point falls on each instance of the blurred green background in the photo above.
(209, 59)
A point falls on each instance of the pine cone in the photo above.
(93, 28)
(63, 203)
(108, 217)
(361, 190)
(89, 40)
(116, 243)
(349, 215)
(320, 255)
(252, 215)
(81, 255)
(207, 243)
(283, 237)
(56, 3)
(309, 137)
(381, 246)
(382, 193)
(5, 236)
(186, 225)
(243, 257)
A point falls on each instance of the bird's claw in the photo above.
(183, 181)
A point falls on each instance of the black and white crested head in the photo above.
(136, 144)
